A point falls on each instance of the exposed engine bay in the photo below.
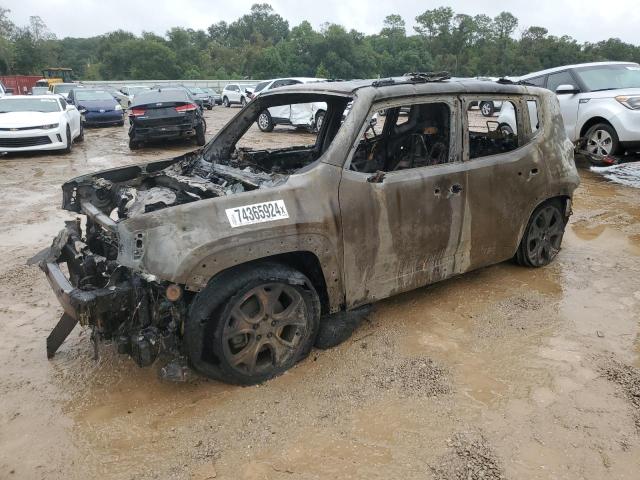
(188, 179)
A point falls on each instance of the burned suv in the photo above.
(238, 259)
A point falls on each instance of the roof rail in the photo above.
(424, 77)
(413, 77)
(507, 81)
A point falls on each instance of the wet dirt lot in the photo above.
(505, 372)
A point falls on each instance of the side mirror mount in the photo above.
(567, 89)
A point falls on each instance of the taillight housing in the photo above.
(137, 112)
(188, 107)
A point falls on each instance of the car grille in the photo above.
(24, 142)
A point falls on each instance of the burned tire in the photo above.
(543, 236)
(252, 323)
(602, 140)
(265, 122)
(487, 109)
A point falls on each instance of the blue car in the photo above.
(97, 107)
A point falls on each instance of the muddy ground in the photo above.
(506, 372)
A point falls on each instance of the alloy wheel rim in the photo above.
(600, 142)
(545, 236)
(264, 329)
(263, 120)
(486, 109)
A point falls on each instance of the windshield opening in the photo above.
(85, 95)
(610, 77)
(29, 105)
(261, 85)
(63, 88)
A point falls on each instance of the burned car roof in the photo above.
(401, 86)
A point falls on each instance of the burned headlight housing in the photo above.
(629, 101)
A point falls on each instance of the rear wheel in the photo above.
(133, 145)
(265, 122)
(225, 102)
(200, 134)
(506, 129)
(543, 236)
(602, 140)
(80, 137)
(252, 324)
(209, 107)
(243, 102)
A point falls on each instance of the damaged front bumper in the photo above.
(115, 302)
(89, 307)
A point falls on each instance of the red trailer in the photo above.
(19, 84)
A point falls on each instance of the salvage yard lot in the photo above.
(506, 372)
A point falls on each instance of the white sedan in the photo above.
(38, 122)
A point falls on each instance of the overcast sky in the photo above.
(585, 20)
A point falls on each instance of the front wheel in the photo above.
(487, 109)
(243, 102)
(69, 146)
(319, 121)
(543, 236)
(602, 140)
(265, 122)
(252, 324)
(225, 102)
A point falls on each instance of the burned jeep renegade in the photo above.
(234, 258)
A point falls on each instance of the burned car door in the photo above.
(506, 175)
(402, 200)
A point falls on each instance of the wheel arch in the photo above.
(313, 258)
(594, 121)
(565, 204)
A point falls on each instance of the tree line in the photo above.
(261, 44)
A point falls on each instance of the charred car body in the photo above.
(235, 258)
(167, 114)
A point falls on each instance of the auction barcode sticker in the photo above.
(257, 213)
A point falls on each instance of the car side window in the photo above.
(534, 119)
(407, 136)
(560, 78)
(63, 104)
(491, 134)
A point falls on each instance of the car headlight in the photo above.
(50, 126)
(629, 101)
(118, 107)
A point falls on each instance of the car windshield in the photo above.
(136, 90)
(39, 90)
(63, 88)
(196, 90)
(29, 105)
(261, 86)
(85, 95)
(610, 77)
